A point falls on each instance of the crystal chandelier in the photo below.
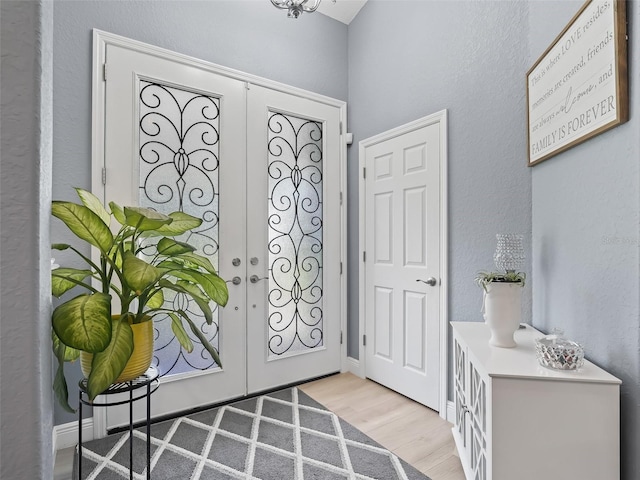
(296, 7)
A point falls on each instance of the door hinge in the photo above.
(364, 340)
(364, 256)
(340, 128)
(364, 172)
(340, 337)
(340, 198)
(104, 72)
(340, 268)
(104, 176)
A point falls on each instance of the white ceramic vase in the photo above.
(502, 312)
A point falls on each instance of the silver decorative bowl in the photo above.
(555, 351)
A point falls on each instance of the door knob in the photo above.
(432, 282)
(256, 278)
(235, 280)
(236, 262)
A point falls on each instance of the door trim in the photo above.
(436, 118)
(98, 102)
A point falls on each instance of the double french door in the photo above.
(262, 169)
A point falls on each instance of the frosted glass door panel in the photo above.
(295, 235)
(179, 141)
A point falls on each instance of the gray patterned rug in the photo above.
(284, 435)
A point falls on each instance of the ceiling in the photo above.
(341, 10)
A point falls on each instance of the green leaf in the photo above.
(198, 260)
(59, 382)
(60, 246)
(137, 273)
(109, 364)
(156, 300)
(169, 247)
(202, 338)
(182, 223)
(213, 285)
(144, 219)
(94, 204)
(84, 322)
(180, 333)
(70, 354)
(84, 223)
(59, 279)
(201, 302)
(118, 213)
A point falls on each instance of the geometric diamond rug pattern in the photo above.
(284, 435)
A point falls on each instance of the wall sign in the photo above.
(578, 87)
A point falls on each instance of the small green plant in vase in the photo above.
(483, 279)
(136, 265)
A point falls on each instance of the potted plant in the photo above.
(135, 266)
(501, 304)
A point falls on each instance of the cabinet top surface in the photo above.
(521, 360)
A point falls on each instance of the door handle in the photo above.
(235, 280)
(256, 278)
(432, 282)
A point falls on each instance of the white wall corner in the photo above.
(66, 435)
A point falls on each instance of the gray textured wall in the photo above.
(248, 35)
(26, 413)
(586, 243)
(411, 59)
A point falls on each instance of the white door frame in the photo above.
(439, 118)
(98, 103)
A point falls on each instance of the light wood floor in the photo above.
(412, 431)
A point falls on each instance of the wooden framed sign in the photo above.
(578, 87)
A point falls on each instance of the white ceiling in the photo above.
(342, 10)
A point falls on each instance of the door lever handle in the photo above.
(256, 278)
(432, 282)
(235, 280)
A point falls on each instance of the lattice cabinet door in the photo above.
(459, 392)
(471, 422)
(477, 405)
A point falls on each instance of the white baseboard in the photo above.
(354, 366)
(66, 435)
(451, 412)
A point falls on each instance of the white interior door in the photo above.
(262, 168)
(402, 265)
(294, 304)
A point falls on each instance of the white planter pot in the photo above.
(502, 312)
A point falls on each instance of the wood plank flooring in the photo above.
(412, 431)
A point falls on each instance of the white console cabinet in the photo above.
(517, 420)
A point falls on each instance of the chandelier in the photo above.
(296, 7)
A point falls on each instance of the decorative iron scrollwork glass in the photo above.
(295, 235)
(179, 160)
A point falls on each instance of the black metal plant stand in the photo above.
(149, 380)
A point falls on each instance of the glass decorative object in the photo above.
(509, 255)
(555, 351)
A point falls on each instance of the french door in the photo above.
(256, 165)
